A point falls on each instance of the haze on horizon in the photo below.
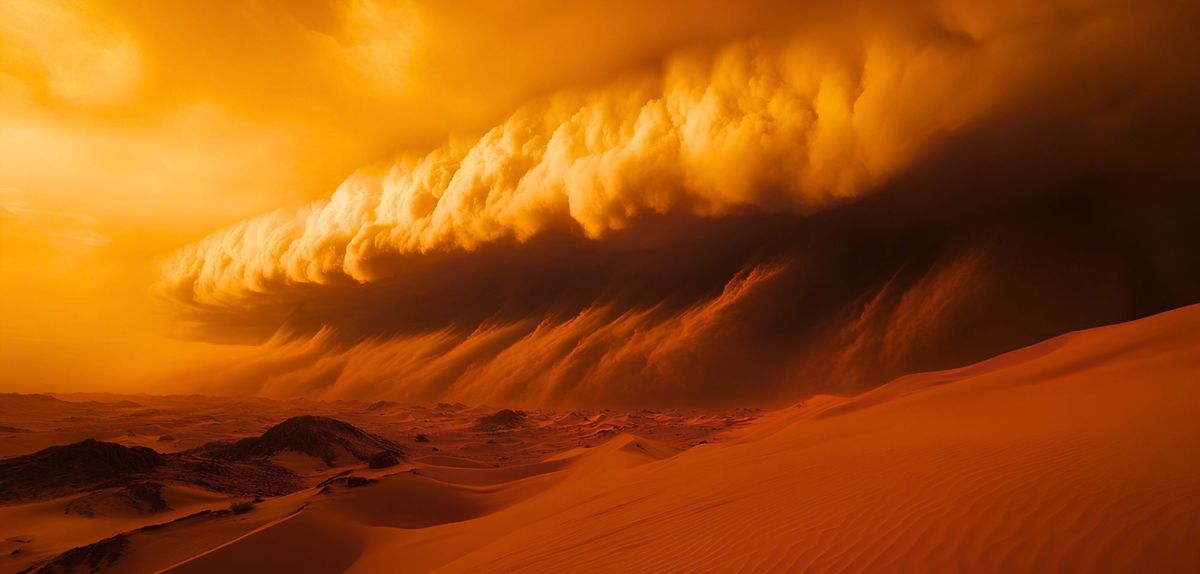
(597, 203)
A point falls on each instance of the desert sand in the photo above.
(1076, 454)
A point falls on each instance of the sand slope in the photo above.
(1078, 454)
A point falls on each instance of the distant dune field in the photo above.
(1073, 455)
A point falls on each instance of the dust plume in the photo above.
(792, 212)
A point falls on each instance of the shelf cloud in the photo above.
(805, 208)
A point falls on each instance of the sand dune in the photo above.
(1077, 454)
(1073, 455)
(84, 505)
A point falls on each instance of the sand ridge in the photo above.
(1076, 454)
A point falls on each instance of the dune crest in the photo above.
(1076, 454)
(1072, 455)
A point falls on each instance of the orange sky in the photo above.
(133, 133)
(129, 129)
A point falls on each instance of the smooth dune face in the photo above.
(1072, 455)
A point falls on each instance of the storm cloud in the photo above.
(789, 213)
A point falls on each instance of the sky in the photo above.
(539, 202)
(130, 130)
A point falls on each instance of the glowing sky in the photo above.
(129, 129)
(546, 202)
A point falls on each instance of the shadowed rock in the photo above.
(328, 439)
(357, 481)
(383, 459)
(136, 498)
(91, 558)
(243, 478)
(84, 465)
(502, 419)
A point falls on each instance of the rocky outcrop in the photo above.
(85, 465)
(328, 439)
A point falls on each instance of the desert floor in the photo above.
(1076, 454)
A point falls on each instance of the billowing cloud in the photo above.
(764, 125)
(792, 212)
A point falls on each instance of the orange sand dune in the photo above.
(1077, 454)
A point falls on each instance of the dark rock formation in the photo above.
(241, 478)
(91, 558)
(383, 459)
(85, 465)
(502, 419)
(357, 481)
(137, 498)
(321, 437)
